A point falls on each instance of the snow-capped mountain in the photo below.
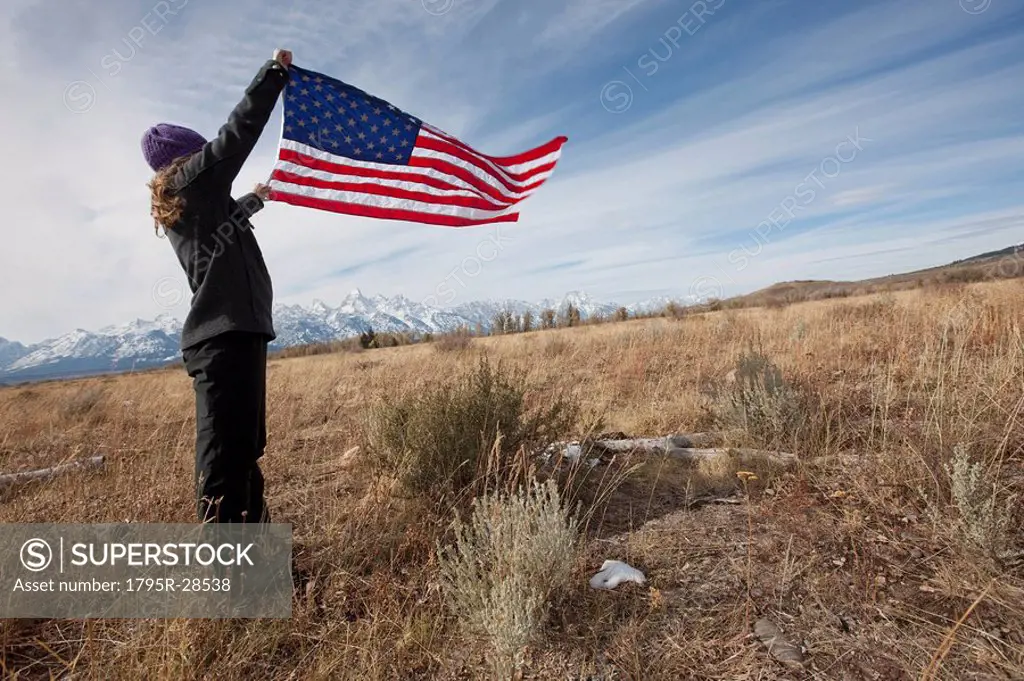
(652, 305)
(143, 344)
(138, 344)
(11, 351)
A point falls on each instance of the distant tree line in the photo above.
(504, 322)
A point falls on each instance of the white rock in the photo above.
(615, 572)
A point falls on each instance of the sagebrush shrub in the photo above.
(440, 439)
(760, 402)
(515, 552)
(985, 518)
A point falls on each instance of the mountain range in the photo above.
(145, 344)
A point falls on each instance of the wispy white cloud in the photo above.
(856, 197)
(579, 21)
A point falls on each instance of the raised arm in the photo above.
(223, 156)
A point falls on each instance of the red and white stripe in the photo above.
(446, 182)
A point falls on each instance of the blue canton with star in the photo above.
(335, 117)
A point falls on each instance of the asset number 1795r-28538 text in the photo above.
(193, 584)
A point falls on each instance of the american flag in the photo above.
(345, 151)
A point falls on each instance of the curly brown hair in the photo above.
(166, 204)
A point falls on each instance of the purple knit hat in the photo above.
(165, 142)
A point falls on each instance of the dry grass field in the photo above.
(892, 552)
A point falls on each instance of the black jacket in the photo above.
(213, 239)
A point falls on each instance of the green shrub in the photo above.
(444, 437)
(368, 339)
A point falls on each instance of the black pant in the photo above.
(229, 375)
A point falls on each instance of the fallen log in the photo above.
(691, 448)
(12, 479)
(783, 460)
(656, 445)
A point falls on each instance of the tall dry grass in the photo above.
(869, 555)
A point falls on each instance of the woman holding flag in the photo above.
(375, 161)
(225, 335)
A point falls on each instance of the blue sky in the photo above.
(714, 147)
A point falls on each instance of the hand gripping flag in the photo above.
(345, 151)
